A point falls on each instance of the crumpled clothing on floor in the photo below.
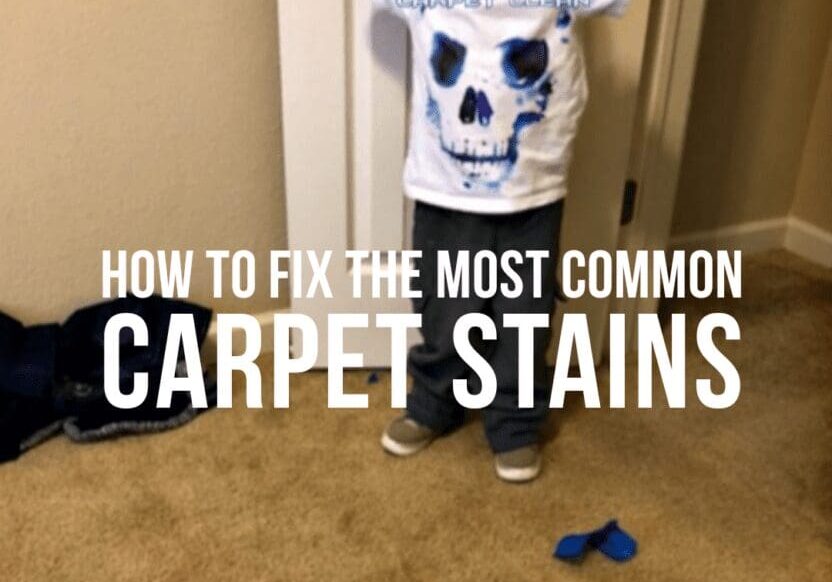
(52, 376)
(27, 372)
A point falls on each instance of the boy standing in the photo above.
(498, 90)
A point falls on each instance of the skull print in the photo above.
(481, 97)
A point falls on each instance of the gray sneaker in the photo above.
(404, 437)
(518, 466)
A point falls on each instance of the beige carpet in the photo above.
(744, 494)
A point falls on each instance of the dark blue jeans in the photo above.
(435, 363)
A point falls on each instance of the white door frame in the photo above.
(659, 135)
(327, 115)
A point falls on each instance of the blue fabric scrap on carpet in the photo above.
(610, 540)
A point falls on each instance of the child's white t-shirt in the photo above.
(498, 91)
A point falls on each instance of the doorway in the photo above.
(344, 99)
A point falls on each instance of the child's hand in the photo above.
(602, 7)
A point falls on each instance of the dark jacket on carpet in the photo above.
(52, 377)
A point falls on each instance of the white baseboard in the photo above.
(810, 242)
(793, 234)
(762, 235)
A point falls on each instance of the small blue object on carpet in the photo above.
(610, 540)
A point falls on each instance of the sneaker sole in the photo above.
(399, 449)
(517, 474)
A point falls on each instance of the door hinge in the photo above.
(628, 208)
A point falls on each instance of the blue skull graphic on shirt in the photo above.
(480, 102)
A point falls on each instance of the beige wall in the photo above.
(133, 124)
(755, 89)
(813, 197)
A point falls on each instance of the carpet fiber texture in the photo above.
(307, 494)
